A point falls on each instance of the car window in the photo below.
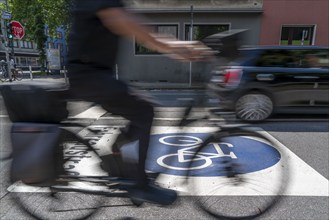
(277, 58)
(298, 58)
(313, 58)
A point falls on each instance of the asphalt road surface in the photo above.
(306, 137)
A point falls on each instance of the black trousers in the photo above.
(117, 98)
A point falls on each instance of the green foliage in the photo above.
(54, 13)
(35, 14)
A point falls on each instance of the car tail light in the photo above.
(232, 76)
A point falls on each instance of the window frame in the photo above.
(187, 24)
(153, 24)
(26, 44)
(312, 41)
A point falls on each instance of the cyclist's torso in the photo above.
(90, 43)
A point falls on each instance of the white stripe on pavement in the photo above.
(94, 112)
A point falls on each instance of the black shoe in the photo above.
(153, 194)
(112, 164)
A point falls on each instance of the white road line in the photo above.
(159, 119)
(94, 112)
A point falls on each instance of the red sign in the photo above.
(17, 30)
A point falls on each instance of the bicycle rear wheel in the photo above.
(50, 205)
(3, 76)
(67, 198)
(247, 177)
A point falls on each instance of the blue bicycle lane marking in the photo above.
(171, 154)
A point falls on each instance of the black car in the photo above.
(274, 79)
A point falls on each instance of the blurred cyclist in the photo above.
(93, 45)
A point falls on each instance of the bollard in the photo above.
(65, 76)
(31, 75)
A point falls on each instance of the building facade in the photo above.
(174, 18)
(269, 22)
(26, 53)
(295, 22)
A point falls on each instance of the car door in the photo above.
(317, 67)
(290, 85)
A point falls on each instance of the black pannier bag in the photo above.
(30, 103)
(37, 155)
(35, 132)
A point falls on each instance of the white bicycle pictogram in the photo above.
(185, 155)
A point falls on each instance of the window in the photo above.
(316, 58)
(201, 31)
(277, 58)
(15, 43)
(300, 58)
(169, 30)
(24, 61)
(27, 61)
(297, 35)
(33, 61)
(26, 44)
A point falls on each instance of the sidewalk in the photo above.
(56, 79)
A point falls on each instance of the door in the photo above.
(316, 63)
(289, 83)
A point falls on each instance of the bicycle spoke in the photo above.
(235, 190)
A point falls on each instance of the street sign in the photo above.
(17, 30)
(6, 15)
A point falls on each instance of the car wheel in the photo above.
(253, 107)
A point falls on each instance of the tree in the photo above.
(36, 14)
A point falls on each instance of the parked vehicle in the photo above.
(274, 79)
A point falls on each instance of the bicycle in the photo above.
(220, 154)
(3, 71)
(17, 74)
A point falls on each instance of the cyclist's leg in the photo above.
(13, 74)
(140, 114)
(115, 97)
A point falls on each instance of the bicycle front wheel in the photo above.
(247, 177)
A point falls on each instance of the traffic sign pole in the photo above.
(4, 34)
